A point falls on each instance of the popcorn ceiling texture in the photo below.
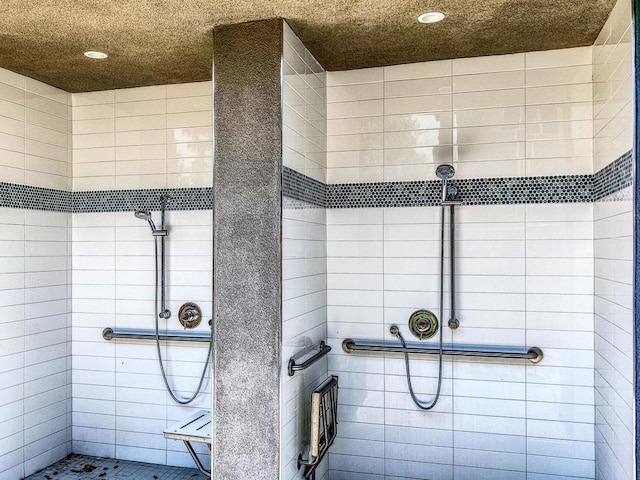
(170, 41)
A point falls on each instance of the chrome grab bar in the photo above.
(130, 333)
(294, 367)
(534, 354)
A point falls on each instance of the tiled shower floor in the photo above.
(82, 467)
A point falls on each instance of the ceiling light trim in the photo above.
(95, 55)
(431, 17)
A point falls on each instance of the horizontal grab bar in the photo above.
(129, 333)
(534, 354)
(294, 367)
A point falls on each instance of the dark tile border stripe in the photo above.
(124, 200)
(482, 191)
(296, 186)
(614, 177)
(34, 198)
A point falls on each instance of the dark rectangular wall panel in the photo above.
(247, 250)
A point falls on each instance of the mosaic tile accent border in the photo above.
(306, 191)
(297, 186)
(34, 198)
(125, 200)
(483, 191)
(616, 176)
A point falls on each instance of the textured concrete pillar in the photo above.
(247, 250)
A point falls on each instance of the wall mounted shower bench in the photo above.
(196, 428)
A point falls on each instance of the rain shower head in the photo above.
(445, 172)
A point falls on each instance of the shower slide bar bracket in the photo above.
(533, 354)
(134, 334)
(294, 367)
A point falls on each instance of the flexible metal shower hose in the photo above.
(164, 375)
(432, 403)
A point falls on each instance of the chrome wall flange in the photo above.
(423, 324)
(190, 315)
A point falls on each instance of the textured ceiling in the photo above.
(152, 42)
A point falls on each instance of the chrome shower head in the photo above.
(143, 214)
(445, 172)
(146, 215)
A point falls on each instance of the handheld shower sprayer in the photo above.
(146, 215)
(445, 172)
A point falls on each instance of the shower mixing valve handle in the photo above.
(190, 315)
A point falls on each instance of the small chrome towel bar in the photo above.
(294, 367)
(534, 354)
(130, 334)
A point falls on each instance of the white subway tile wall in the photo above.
(510, 115)
(120, 404)
(525, 272)
(35, 376)
(304, 270)
(613, 250)
(149, 137)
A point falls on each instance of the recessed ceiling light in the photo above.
(96, 55)
(431, 17)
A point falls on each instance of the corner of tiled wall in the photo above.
(35, 395)
(614, 129)
(304, 320)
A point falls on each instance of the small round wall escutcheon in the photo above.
(190, 315)
(423, 324)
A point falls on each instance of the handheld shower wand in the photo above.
(445, 172)
(160, 307)
(146, 215)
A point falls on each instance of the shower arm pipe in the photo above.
(135, 334)
(534, 354)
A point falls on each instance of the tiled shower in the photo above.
(540, 142)
(75, 260)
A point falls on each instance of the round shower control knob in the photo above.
(190, 315)
(423, 324)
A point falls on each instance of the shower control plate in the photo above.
(190, 315)
(423, 324)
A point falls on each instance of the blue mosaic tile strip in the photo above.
(616, 176)
(34, 198)
(125, 200)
